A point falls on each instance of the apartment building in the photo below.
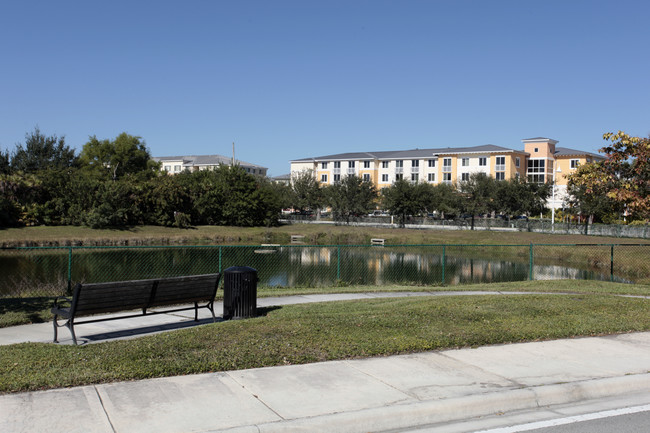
(177, 164)
(539, 161)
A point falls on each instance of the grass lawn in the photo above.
(314, 234)
(22, 311)
(337, 330)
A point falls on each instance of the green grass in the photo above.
(21, 311)
(326, 331)
(314, 234)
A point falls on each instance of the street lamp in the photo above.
(553, 199)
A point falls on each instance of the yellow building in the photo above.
(539, 161)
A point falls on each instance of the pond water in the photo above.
(287, 266)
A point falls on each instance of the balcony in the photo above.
(351, 171)
(399, 169)
(500, 167)
(337, 170)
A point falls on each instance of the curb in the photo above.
(401, 416)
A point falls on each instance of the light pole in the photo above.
(553, 199)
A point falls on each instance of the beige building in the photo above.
(177, 164)
(539, 161)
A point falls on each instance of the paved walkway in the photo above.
(377, 394)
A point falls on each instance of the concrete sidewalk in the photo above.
(377, 394)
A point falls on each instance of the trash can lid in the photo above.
(239, 270)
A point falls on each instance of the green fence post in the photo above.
(338, 264)
(444, 259)
(611, 264)
(70, 271)
(530, 270)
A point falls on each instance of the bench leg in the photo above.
(56, 330)
(196, 311)
(70, 326)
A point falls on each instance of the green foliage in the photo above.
(619, 183)
(5, 167)
(405, 199)
(477, 194)
(306, 191)
(351, 197)
(113, 159)
(520, 197)
(42, 153)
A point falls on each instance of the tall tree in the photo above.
(306, 192)
(350, 197)
(41, 153)
(115, 158)
(5, 167)
(404, 198)
(478, 194)
(519, 196)
(624, 176)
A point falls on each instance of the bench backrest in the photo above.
(96, 298)
(195, 288)
(111, 297)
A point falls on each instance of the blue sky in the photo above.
(292, 79)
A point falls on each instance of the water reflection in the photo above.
(288, 266)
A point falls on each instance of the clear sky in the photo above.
(293, 79)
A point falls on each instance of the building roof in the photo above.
(195, 160)
(407, 154)
(564, 151)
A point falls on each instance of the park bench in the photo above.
(113, 297)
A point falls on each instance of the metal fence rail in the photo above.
(52, 271)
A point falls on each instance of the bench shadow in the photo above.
(145, 330)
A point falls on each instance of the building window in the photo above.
(446, 178)
(399, 163)
(500, 175)
(384, 178)
(446, 166)
(517, 162)
(575, 163)
(366, 164)
(536, 149)
(384, 164)
(323, 178)
(399, 176)
(415, 163)
(350, 164)
(432, 177)
(337, 178)
(432, 163)
(500, 163)
(482, 161)
(167, 168)
(415, 177)
(366, 178)
(464, 176)
(323, 165)
(177, 168)
(465, 162)
(337, 164)
(536, 178)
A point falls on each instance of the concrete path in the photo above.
(377, 394)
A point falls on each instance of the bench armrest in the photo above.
(60, 299)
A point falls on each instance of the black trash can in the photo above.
(239, 292)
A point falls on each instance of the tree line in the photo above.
(480, 194)
(115, 183)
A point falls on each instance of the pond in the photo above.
(286, 266)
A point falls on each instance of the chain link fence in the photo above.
(497, 224)
(52, 271)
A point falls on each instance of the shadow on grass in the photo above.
(31, 308)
